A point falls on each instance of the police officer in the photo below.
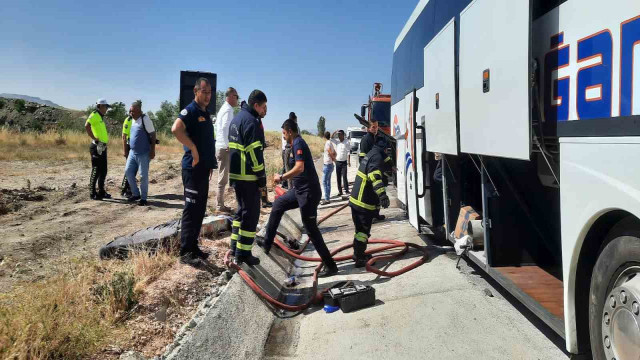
(97, 131)
(367, 194)
(366, 145)
(194, 129)
(126, 135)
(247, 174)
(305, 194)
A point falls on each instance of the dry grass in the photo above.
(68, 145)
(76, 313)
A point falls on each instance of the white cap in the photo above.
(102, 102)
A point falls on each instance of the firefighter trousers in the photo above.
(243, 230)
(196, 192)
(308, 204)
(362, 220)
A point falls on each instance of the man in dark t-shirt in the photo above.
(305, 194)
(194, 129)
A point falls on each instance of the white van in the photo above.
(355, 134)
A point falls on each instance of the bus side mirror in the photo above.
(363, 111)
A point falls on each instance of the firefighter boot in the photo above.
(243, 258)
(359, 257)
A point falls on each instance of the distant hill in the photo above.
(30, 99)
(23, 115)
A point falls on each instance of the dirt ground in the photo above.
(46, 215)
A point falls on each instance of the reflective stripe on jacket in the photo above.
(245, 147)
(369, 186)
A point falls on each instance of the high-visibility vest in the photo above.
(126, 127)
(98, 127)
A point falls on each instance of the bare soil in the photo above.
(47, 218)
(46, 214)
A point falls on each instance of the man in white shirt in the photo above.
(343, 160)
(224, 117)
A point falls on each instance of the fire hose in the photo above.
(390, 244)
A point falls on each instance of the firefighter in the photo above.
(366, 144)
(126, 135)
(97, 131)
(247, 174)
(305, 194)
(194, 129)
(367, 195)
(368, 140)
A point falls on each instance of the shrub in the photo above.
(2, 103)
(118, 292)
(69, 122)
(19, 104)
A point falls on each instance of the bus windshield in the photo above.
(381, 111)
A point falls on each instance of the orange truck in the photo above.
(378, 107)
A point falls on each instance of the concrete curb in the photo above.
(234, 323)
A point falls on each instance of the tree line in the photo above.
(164, 117)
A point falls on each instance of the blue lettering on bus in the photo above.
(630, 37)
(554, 60)
(599, 75)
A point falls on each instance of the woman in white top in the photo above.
(328, 157)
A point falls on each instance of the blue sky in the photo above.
(312, 57)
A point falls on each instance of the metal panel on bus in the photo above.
(439, 100)
(398, 131)
(410, 164)
(494, 78)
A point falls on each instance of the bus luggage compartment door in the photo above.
(494, 78)
(439, 101)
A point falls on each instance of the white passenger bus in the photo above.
(535, 107)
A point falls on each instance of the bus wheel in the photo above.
(614, 301)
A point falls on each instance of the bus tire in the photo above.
(617, 264)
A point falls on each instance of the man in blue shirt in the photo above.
(142, 144)
(194, 129)
(305, 194)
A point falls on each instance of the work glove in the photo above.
(384, 201)
(262, 182)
